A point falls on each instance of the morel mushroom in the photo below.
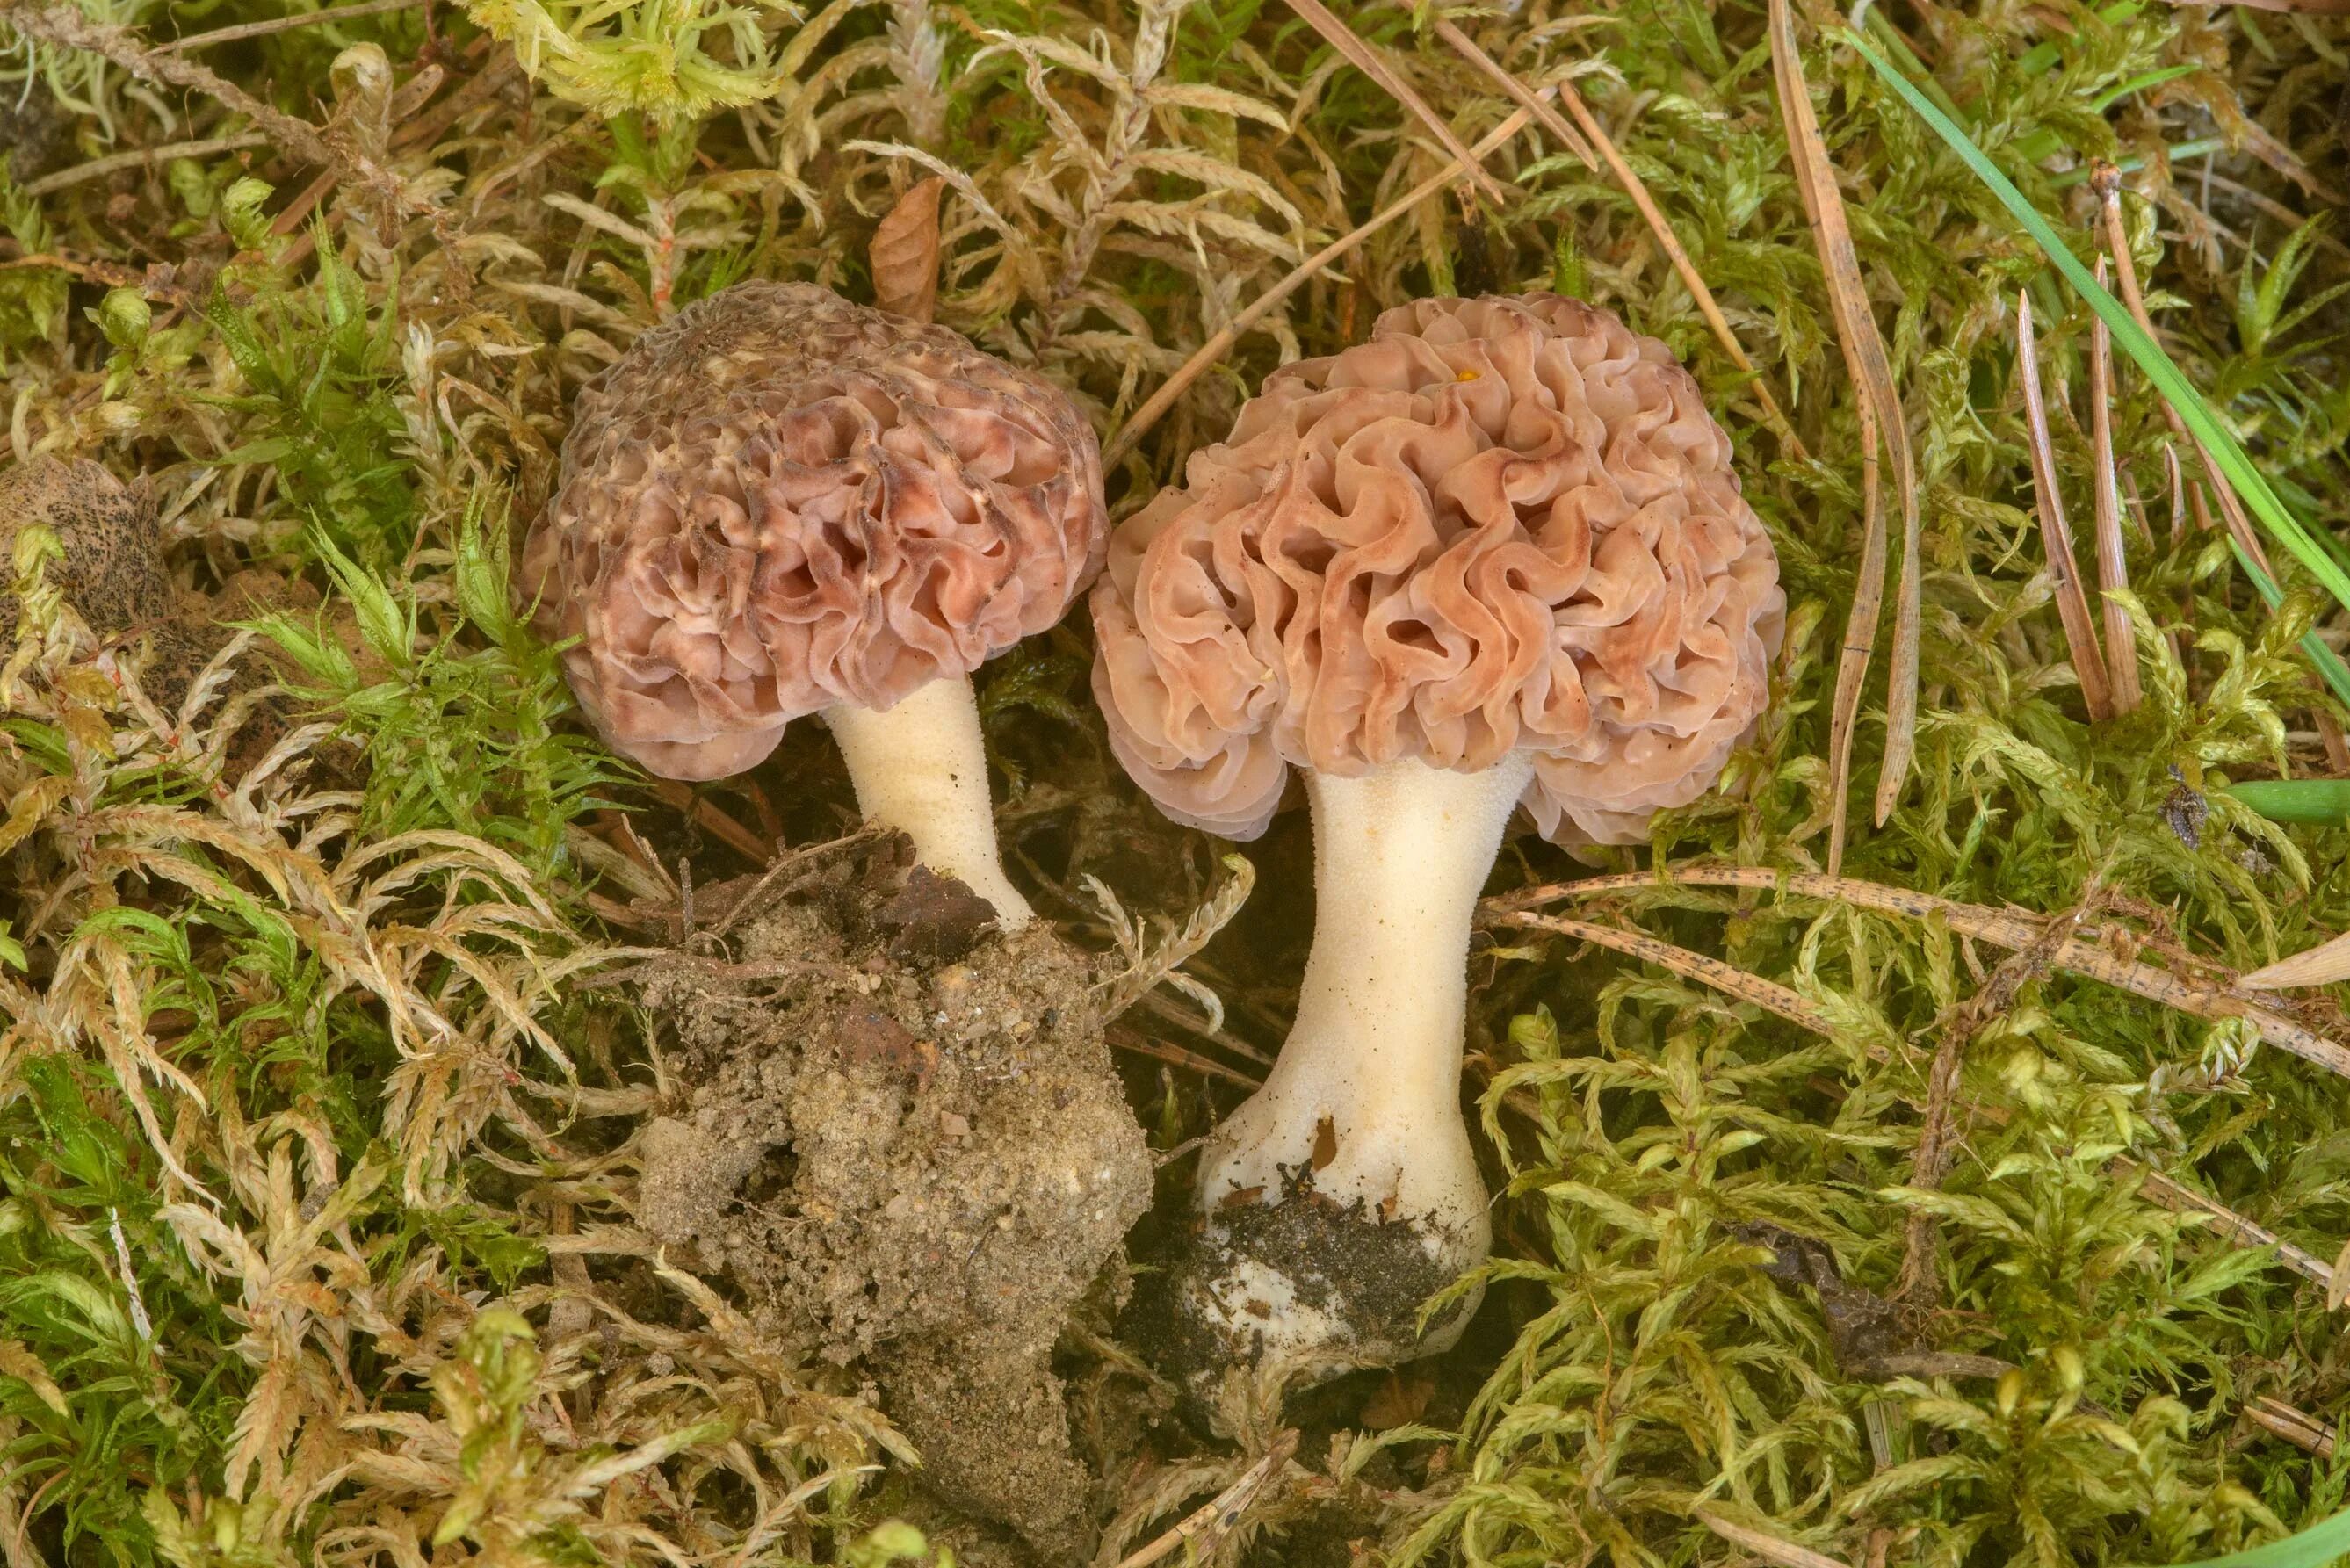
(780, 502)
(1496, 555)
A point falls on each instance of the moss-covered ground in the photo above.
(1913, 1237)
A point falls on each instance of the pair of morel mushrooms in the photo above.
(1495, 556)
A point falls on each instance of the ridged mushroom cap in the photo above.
(1501, 524)
(778, 501)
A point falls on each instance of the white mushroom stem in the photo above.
(920, 767)
(1400, 858)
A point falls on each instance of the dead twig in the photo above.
(1727, 979)
(1999, 927)
(141, 158)
(113, 275)
(337, 151)
(2234, 1227)
(286, 23)
(1938, 1141)
(670, 962)
(758, 897)
(1205, 1528)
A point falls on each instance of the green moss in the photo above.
(309, 1032)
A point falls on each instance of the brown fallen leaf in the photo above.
(905, 254)
(1374, 64)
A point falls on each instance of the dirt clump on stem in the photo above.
(900, 1138)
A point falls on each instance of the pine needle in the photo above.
(1872, 378)
(1595, 136)
(2056, 533)
(1212, 352)
(1372, 64)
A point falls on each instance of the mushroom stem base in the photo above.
(921, 768)
(1344, 1192)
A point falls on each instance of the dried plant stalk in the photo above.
(1568, 136)
(1727, 979)
(1872, 375)
(1762, 1543)
(2013, 932)
(2112, 567)
(2072, 599)
(2321, 965)
(2232, 1227)
(1204, 1529)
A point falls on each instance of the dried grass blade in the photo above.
(1598, 139)
(1552, 120)
(1121, 1038)
(2013, 932)
(1372, 64)
(2112, 566)
(905, 252)
(2105, 181)
(1872, 374)
(2237, 1229)
(284, 24)
(1769, 995)
(1859, 633)
(2231, 469)
(1154, 408)
(2072, 600)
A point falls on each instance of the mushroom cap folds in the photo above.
(779, 501)
(1501, 524)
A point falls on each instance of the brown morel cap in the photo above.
(779, 501)
(1501, 524)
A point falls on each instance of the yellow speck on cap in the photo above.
(1467, 375)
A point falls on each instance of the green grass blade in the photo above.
(2328, 662)
(2318, 803)
(2180, 393)
(2318, 1545)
